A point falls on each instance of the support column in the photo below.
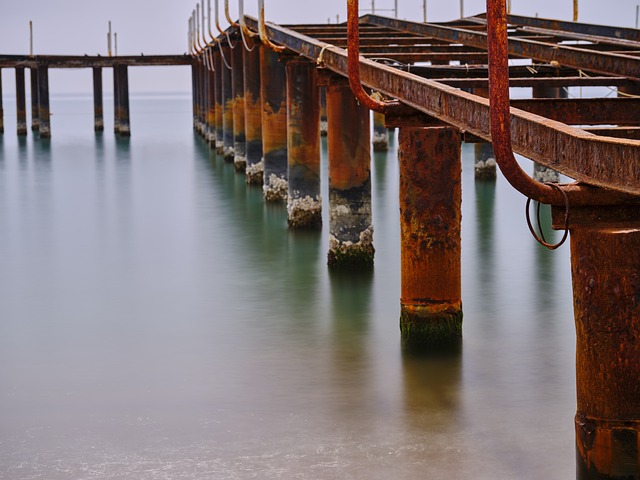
(605, 268)
(380, 133)
(239, 138)
(274, 125)
(323, 112)
(21, 103)
(43, 96)
(35, 103)
(485, 161)
(116, 99)
(98, 116)
(1, 106)
(540, 172)
(219, 65)
(227, 106)
(304, 205)
(125, 129)
(349, 149)
(211, 107)
(430, 222)
(253, 115)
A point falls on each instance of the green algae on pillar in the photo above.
(253, 114)
(304, 205)
(430, 226)
(274, 125)
(349, 149)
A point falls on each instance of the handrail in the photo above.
(353, 51)
(263, 30)
(226, 13)
(243, 23)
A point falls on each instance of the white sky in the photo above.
(76, 27)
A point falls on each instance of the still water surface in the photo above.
(159, 321)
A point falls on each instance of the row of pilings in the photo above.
(265, 111)
(40, 108)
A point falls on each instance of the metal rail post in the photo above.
(349, 149)
(274, 125)
(430, 222)
(304, 205)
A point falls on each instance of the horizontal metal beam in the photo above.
(538, 82)
(602, 62)
(584, 111)
(600, 161)
(86, 61)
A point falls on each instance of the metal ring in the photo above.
(541, 239)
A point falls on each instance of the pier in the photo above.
(262, 93)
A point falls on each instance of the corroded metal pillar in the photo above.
(1, 106)
(202, 100)
(430, 221)
(540, 172)
(253, 115)
(21, 103)
(485, 162)
(98, 115)
(239, 137)
(43, 102)
(380, 133)
(116, 99)
(605, 268)
(304, 205)
(194, 93)
(349, 149)
(323, 112)
(123, 94)
(274, 125)
(211, 108)
(227, 105)
(219, 65)
(35, 104)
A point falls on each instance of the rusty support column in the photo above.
(605, 268)
(380, 133)
(98, 116)
(274, 125)
(227, 106)
(239, 137)
(349, 149)
(116, 99)
(194, 92)
(430, 222)
(43, 101)
(202, 100)
(219, 65)
(485, 161)
(540, 172)
(1, 106)
(323, 112)
(125, 129)
(21, 104)
(35, 103)
(304, 205)
(211, 108)
(253, 115)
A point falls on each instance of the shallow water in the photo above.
(159, 321)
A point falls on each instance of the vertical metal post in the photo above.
(396, 8)
(605, 266)
(637, 14)
(373, 6)
(115, 41)
(1, 106)
(540, 172)
(424, 14)
(227, 106)
(349, 151)
(204, 92)
(485, 161)
(323, 111)
(461, 8)
(304, 205)
(219, 65)
(194, 93)
(239, 137)
(109, 39)
(125, 128)
(380, 133)
(43, 99)
(430, 221)
(117, 110)
(98, 116)
(274, 125)
(30, 38)
(211, 108)
(21, 104)
(35, 103)
(253, 114)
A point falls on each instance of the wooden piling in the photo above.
(239, 137)
(227, 105)
(349, 150)
(304, 205)
(43, 101)
(274, 125)
(21, 105)
(430, 221)
(253, 114)
(605, 268)
(35, 103)
(98, 115)
(219, 65)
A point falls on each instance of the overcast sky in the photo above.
(160, 27)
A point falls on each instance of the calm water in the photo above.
(158, 321)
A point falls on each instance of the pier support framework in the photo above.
(253, 115)
(21, 103)
(239, 136)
